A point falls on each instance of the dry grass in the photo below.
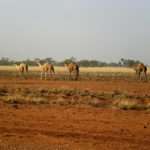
(107, 69)
(69, 97)
(86, 73)
(82, 69)
(128, 104)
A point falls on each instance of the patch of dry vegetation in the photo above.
(82, 69)
(72, 97)
(86, 73)
(134, 104)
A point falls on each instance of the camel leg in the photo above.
(25, 75)
(41, 75)
(76, 76)
(136, 74)
(45, 75)
(53, 73)
(139, 76)
(50, 74)
(70, 77)
(145, 75)
(21, 75)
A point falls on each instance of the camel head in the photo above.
(66, 64)
(15, 65)
(38, 63)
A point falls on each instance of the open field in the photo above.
(11, 70)
(61, 73)
(83, 69)
(103, 110)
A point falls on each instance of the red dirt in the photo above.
(41, 127)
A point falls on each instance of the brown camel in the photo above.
(46, 68)
(73, 67)
(141, 68)
(22, 68)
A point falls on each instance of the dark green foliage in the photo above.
(83, 63)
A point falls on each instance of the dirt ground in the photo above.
(44, 127)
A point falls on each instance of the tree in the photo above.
(49, 60)
(128, 62)
(70, 60)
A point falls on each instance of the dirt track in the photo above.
(74, 128)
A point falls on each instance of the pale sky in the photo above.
(106, 30)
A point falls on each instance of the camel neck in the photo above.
(39, 64)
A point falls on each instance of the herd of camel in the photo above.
(48, 69)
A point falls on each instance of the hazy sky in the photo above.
(105, 30)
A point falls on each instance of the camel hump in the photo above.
(141, 65)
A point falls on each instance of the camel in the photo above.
(73, 67)
(22, 68)
(141, 68)
(46, 68)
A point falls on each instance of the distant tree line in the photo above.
(83, 63)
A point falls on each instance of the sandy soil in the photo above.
(43, 127)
